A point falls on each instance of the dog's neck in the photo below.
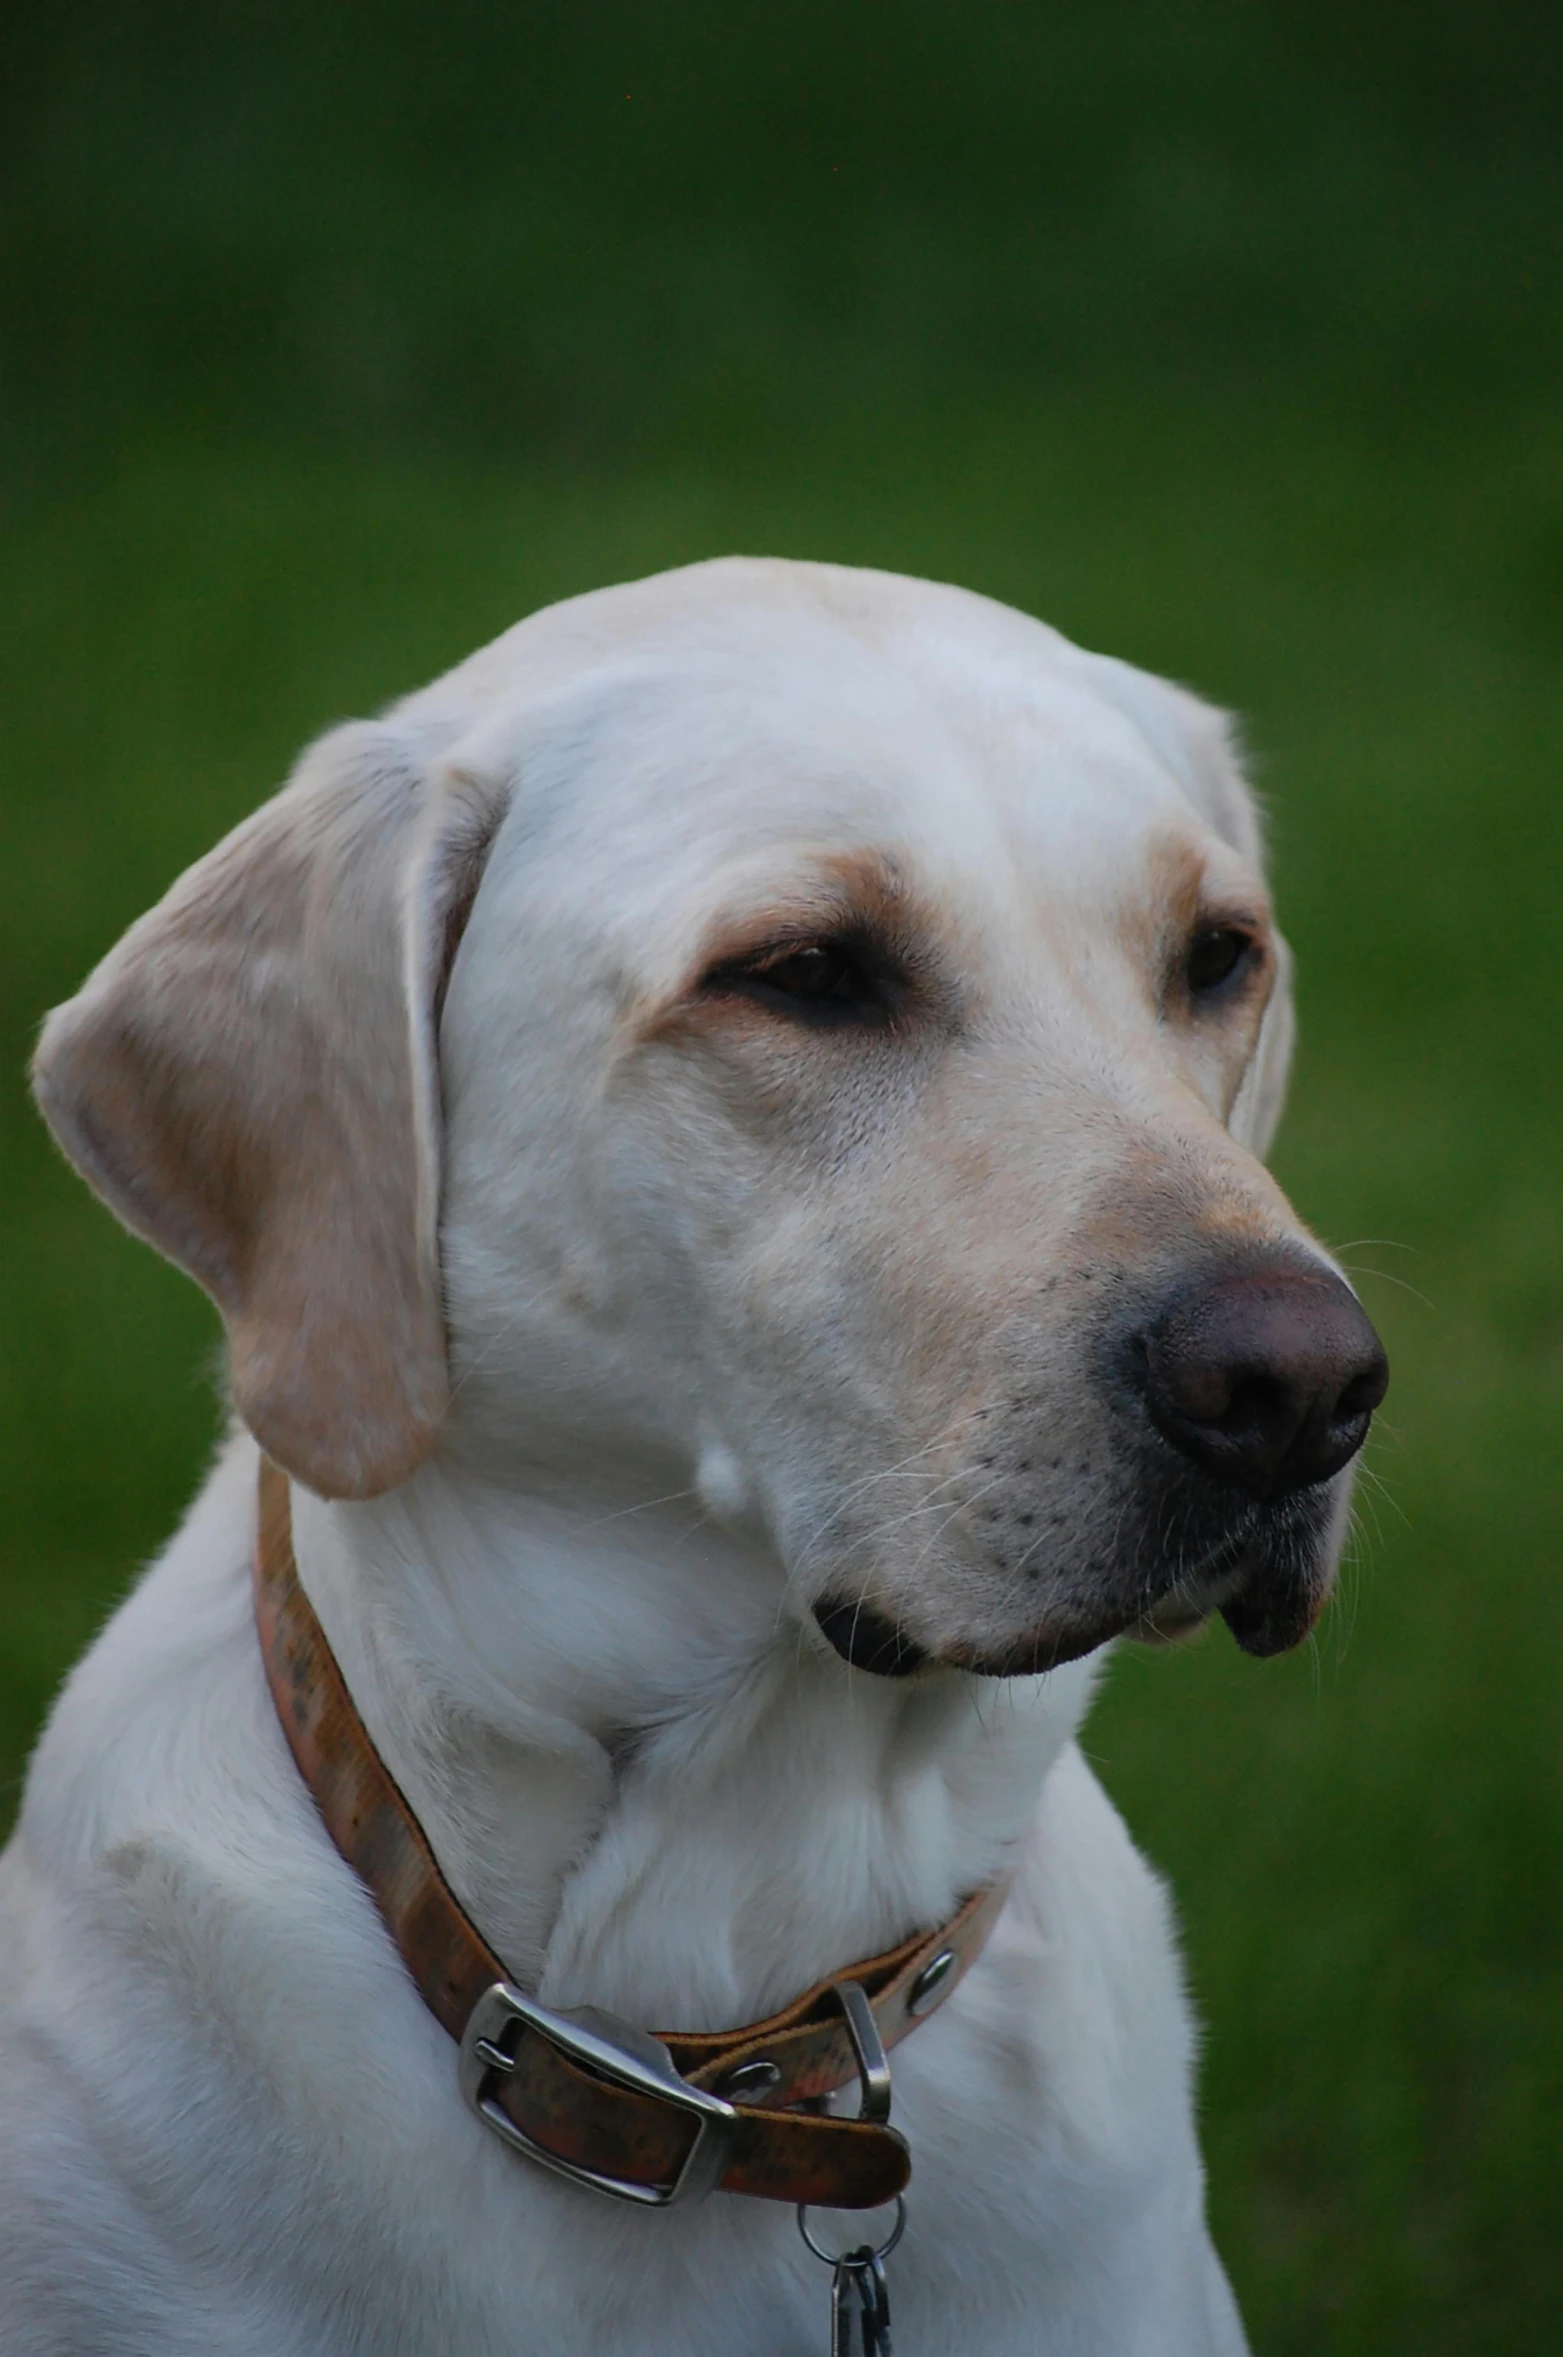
(648, 1780)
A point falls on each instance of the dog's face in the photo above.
(850, 1078)
(841, 1068)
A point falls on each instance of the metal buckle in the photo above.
(616, 2051)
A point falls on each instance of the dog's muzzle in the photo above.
(1232, 1403)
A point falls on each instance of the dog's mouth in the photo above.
(867, 1640)
(1269, 1595)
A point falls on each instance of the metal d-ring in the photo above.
(858, 2276)
(874, 2258)
(873, 2064)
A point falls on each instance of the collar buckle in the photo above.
(611, 2049)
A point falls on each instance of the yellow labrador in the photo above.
(724, 1134)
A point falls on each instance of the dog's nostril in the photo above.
(1256, 1403)
(1363, 1394)
(1266, 1376)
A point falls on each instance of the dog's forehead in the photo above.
(663, 730)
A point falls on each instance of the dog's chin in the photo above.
(1268, 1606)
(868, 1640)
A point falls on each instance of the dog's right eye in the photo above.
(818, 982)
(1219, 957)
(818, 973)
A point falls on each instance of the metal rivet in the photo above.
(749, 2079)
(931, 1985)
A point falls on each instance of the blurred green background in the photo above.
(1227, 337)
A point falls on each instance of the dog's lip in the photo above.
(1268, 1608)
(1172, 1622)
(867, 1639)
(870, 1640)
(1264, 1617)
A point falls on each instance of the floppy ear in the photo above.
(249, 1081)
(1214, 774)
(1196, 741)
(1257, 1111)
(1199, 744)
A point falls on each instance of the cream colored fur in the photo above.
(607, 1324)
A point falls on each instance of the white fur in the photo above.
(579, 1632)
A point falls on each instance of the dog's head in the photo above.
(808, 1027)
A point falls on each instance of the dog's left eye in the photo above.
(819, 982)
(1219, 957)
(819, 973)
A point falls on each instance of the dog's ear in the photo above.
(249, 1080)
(1195, 741)
(1223, 795)
(1257, 1112)
(1199, 744)
(1213, 769)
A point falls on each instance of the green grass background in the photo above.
(1226, 337)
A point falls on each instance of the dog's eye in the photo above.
(824, 972)
(1219, 957)
(819, 982)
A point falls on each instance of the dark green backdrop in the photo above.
(1225, 336)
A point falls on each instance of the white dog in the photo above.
(723, 1134)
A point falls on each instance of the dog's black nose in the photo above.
(1266, 1376)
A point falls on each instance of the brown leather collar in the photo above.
(651, 2120)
